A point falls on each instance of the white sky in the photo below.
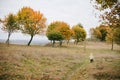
(69, 11)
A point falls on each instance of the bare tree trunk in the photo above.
(53, 42)
(60, 43)
(7, 41)
(77, 42)
(112, 45)
(85, 46)
(68, 42)
(30, 40)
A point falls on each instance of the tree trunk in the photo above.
(30, 40)
(112, 45)
(53, 42)
(9, 34)
(77, 41)
(67, 42)
(85, 46)
(60, 43)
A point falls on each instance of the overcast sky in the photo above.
(69, 11)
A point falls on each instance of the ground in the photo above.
(69, 62)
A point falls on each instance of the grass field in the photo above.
(70, 62)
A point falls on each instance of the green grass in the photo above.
(70, 62)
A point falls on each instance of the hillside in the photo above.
(70, 62)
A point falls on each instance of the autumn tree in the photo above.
(110, 36)
(65, 30)
(103, 31)
(61, 27)
(110, 14)
(117, 35)
(79, 34)
(95, 33)
(80, 25)
(31, 22)
(55, 36)
(100, 32)
(10, 25)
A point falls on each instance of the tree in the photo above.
(96, 33)
(80, 25)
(103, 31)
(65, 30)
(79, 34)
(61, 27)
(31, 22)
(9, 25)
(55, 36)
(110, 37)
(110, 14)
(117, 35)
(104, 4)
(100, 32)
(0, 20)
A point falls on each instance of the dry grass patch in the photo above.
(70, 62)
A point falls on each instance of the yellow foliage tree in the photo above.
(31, 22)
(65, 30)
(100, 32)
(110, 37)
(110, 15)
(9, 25)
(61, 27)
(79, 34)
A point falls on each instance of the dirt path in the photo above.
(105, 67)
(79, 71)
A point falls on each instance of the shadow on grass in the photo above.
(106, 76)
(11, 77)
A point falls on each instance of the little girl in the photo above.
(91, 58)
